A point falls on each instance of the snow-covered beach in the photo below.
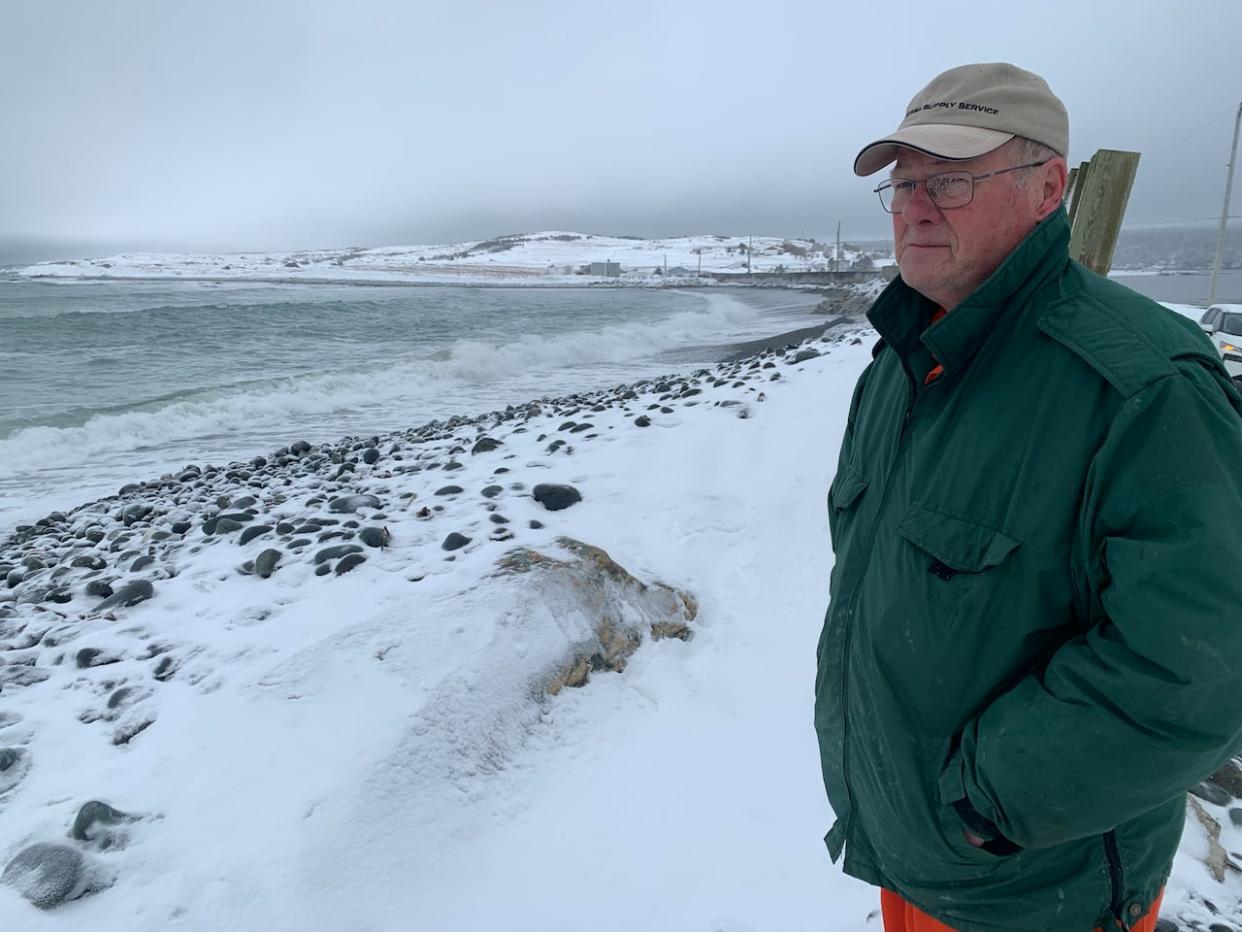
(367, 730)
(452, 732)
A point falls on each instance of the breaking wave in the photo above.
(386, 392)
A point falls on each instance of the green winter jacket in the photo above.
(1034, 626)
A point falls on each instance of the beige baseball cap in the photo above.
(970, 110)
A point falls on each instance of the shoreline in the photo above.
(209, 638)
(675, 284)
(790, 339)
(729, 355)
(347, 282)
(776, 312)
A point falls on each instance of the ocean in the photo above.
(106, 383)
(1185, 287)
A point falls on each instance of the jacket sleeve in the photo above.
(1149, 699)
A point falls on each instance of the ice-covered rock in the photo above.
(49, 875)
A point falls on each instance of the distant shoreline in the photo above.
(361, 283)
(678, 284)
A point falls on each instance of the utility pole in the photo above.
(750, 250)
(700, 252)
(1224, 211)
(836, 256)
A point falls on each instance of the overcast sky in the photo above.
(268, 125)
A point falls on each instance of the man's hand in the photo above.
(993, 842)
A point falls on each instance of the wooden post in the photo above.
(1080, 182)
(1099, 209)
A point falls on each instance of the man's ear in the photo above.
(1051, 186)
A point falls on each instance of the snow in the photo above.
(359, 752)
(539, 259)
(294, 780)
(1193, 311)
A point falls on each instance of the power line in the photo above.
(1176, 142)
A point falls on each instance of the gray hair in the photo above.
(1028, 150)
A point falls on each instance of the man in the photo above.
(1033, 645)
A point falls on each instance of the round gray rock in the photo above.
(99, 588)
(374, 537)
(1210, 792)
(348, 562)
(47, 875)
(59, 595)
(255, 530)
(94, 814)
(93, 657)
(556, 497)
(129, 594)
(350, 503)
(265, 563)
(14, 763)
(338, 550)
(484, 445)
(455, 541)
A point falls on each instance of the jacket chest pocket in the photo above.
(941, 615)
(954, 543)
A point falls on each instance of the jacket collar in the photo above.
(901, 314)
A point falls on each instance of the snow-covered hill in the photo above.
(549, 257)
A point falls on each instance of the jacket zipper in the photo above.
(853, 605)
(1116, 875)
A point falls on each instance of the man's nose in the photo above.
(920, 208)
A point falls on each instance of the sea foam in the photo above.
(386, 394)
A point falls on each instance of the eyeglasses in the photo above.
(946, 190)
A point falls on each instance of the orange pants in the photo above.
(900, 916)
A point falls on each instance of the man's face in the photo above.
(947, 254)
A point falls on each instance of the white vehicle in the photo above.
(1223, 323)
